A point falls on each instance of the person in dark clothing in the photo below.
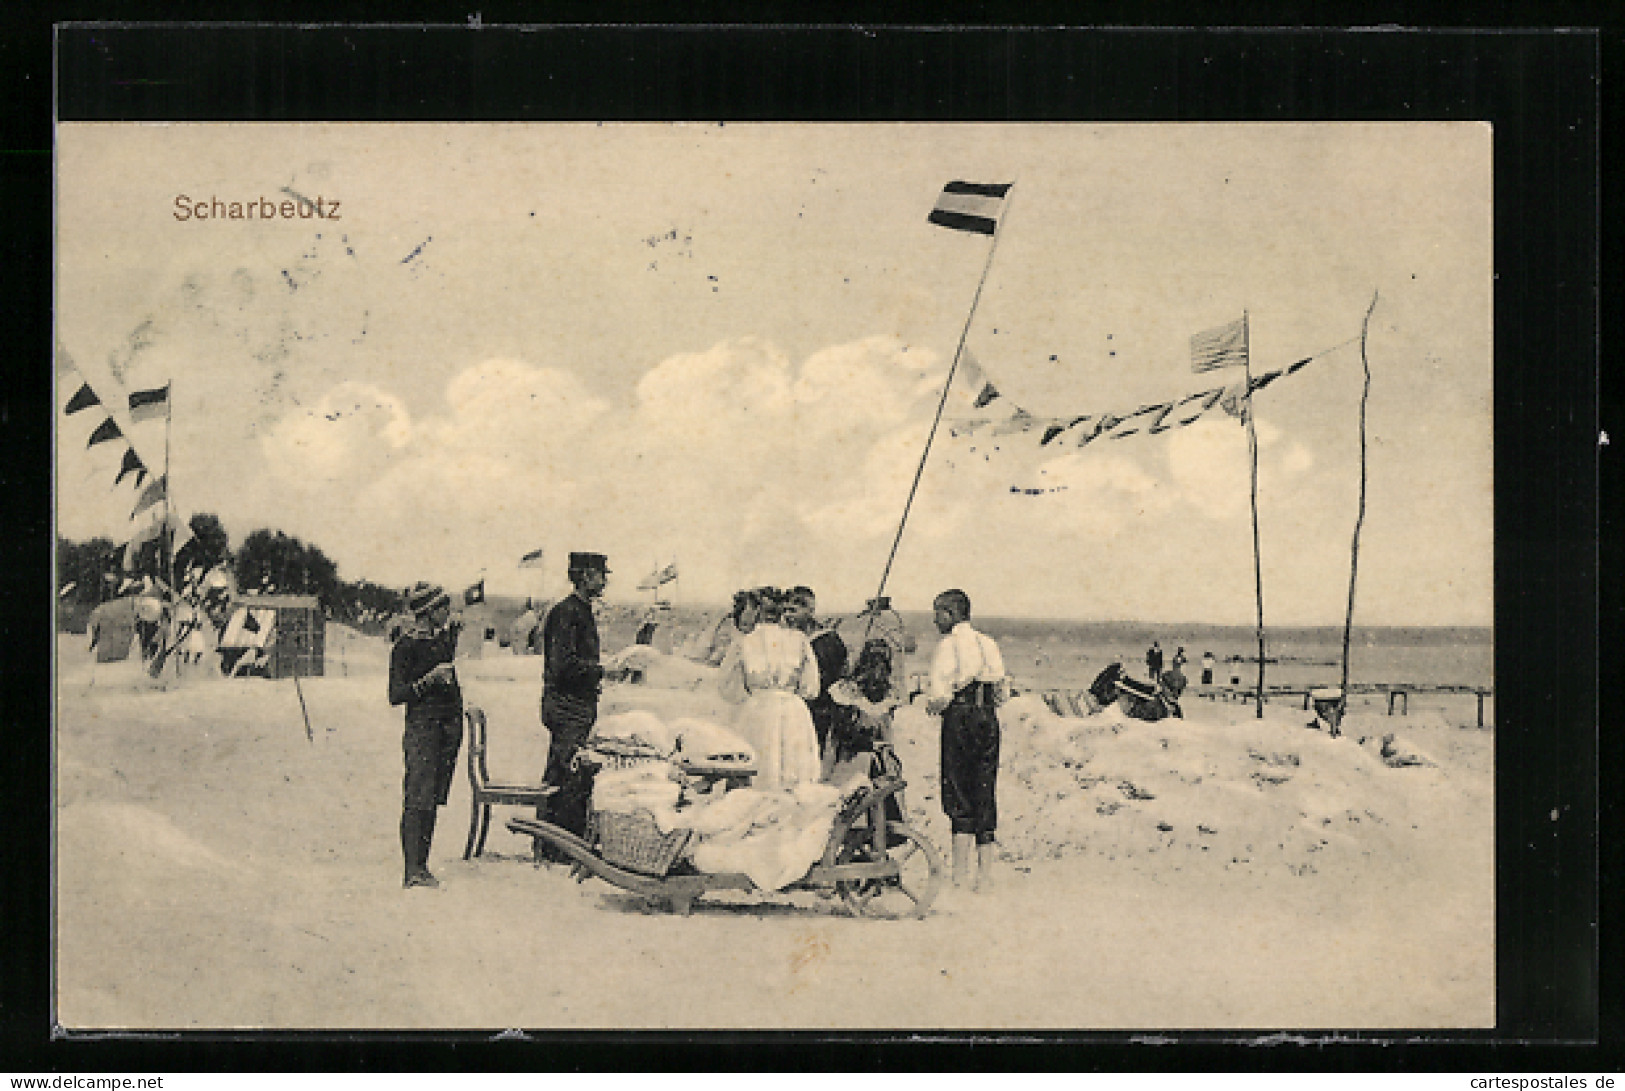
(966, 686)
(1103, 691)
(422, 677)
(830, 651)
(1153, 661)
(571, 675)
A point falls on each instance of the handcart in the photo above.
(879, 867)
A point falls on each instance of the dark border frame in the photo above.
(1540, 88)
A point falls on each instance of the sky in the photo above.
(724, 346)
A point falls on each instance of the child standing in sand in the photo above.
(966, 686)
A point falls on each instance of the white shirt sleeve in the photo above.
(992, 661)
(941, 685)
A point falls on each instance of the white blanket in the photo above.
(773, 836)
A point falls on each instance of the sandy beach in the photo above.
(216, 868)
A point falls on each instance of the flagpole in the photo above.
(166, 536)
(1359, 520)
(943, 401)
(1252, 451)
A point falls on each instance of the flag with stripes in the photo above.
(148, 405)
(1222, 346)
(970, 206)
(659, 578)
(533, 559)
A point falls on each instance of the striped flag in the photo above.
(533, 559)
(1222, 346)
(148, 405)
(970, 206)
(659, 578)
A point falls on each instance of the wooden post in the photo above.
(1252, 451)
(1359, 519)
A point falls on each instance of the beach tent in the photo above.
(289, 629)
(112, 629)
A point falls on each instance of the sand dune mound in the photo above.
(1220, 788)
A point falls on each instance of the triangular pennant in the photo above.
(104, 432)
(83, 398)
(132, 464)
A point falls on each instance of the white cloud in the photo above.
(350, 434)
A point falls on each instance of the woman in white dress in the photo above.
(772, 671)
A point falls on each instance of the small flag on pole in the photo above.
(474, 594)
(533, 559)
(659, 578)
(84, 398)
(1222, 346)
(970, 206)
(148, 405)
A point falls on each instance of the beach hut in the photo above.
(112, 627)
(289, 629)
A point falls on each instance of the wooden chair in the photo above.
(483, 794)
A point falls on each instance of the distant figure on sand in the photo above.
(1153, 661)
(522, 637)
(422, 678)
(1207, 668)
(966, 686)
(1179, 658)
(571, 675)
(772, 673)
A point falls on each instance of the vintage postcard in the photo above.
(774, 576)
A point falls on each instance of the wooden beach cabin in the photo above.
(295, 639)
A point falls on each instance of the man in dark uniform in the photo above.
(571, 674)
(830, 652)
(422, 678)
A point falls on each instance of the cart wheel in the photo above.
(911, 893)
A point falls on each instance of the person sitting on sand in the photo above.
(1151, 702)
(1103, 690)
(422, 678)
(862, 731)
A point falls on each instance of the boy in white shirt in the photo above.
(966, 686)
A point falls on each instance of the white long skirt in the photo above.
(779, 728)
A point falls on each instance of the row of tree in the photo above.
(267, 561)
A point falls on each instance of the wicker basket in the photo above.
(634, 842)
